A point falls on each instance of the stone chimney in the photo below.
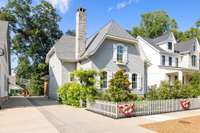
(80, 31)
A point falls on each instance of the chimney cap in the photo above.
(81, 9)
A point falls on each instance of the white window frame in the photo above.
(124, 53)
(105, 80)
(134, 81)
(170, 44)
(194, 60)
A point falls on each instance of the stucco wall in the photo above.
(4, 61)
(67, 67)
(103, 60)
(55, 75)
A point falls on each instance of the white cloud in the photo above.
(122, 4)
(61, 5)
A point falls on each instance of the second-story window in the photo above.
(176, 62)
(120, 50)
(194, 47)
(163, 60)
(170, 61)
(170, 45)
(194, 60)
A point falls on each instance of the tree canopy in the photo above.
(154, 24)
(34, 29)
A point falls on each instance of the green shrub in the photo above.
(86, 77)
(72, 93)
(118, 90)
(177, 90)
(118, 95)
(120, 80)
(152, 93)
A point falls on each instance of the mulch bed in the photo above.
(184, 125)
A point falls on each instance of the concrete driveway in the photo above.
(19, 116)
(41, 115)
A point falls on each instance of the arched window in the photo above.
(103, 78)
(120, 52)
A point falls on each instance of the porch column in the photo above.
(180, 76)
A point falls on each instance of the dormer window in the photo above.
(120, 53)
(194, 47)
(170, 45)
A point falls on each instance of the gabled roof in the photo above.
(154, 45)
(185, 46)
(155, 42)
(111, 29)
(162, 38)
(159, 39)
(65, 47)
(181, 47)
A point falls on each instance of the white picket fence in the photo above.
(111, 109)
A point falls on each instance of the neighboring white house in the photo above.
(4, 61)
(108, 50)
(168, 59)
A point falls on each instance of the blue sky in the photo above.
(126, 12)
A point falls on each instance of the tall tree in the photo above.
(154, 24)
(34, 29)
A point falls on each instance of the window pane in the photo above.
(103, 79)
(134, 81)
(120, 51)
(163, 60)
(170, 45)
(176, 62)
(193, 60)
(170, 61)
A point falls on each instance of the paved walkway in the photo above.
(41, 115)
(19, 116)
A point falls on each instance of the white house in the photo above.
(168, 59)
(108, 50)
(4, 61)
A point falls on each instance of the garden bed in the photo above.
(138, 108)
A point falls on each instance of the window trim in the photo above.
(177, 62)
(120, 52)
(169, 45)
(163, 60)
(170, 61)
(136, 82)
(194, 47)
(104, 80)
(194, 60)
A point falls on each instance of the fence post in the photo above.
(116, 106)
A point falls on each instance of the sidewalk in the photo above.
(19, 116)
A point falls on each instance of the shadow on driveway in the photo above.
(23, 102)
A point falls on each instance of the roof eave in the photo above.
(132, 41)
(49, 54)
